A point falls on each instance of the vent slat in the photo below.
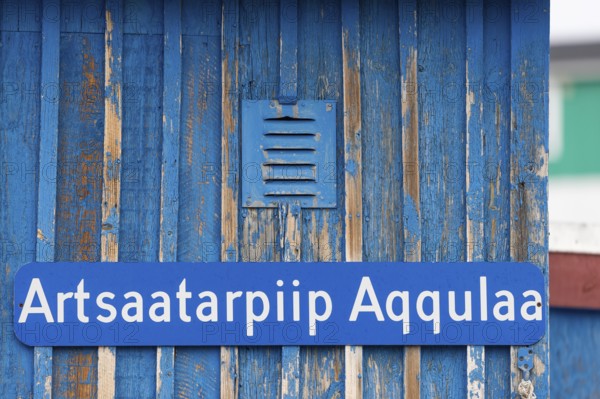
(290, 149)
(289, 172)
(291, 133)
(289, 119)
(288, 194)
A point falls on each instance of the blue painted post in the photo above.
(475, 162)
(169, 201)
(111, 190)
(529, 161)
(46, 213)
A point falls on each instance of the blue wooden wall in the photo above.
(120, 139)
(575, 347)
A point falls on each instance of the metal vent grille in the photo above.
(288, 154)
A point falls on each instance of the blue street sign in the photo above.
(205, 304)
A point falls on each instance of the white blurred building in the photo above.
(575, 126)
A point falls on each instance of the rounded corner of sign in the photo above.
(19, 336)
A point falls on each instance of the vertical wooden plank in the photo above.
(169, 187)
(10, 18)
(19, 137)
(288, 50)
(46, 213)
(229, 166)
(411, 200)
(289, 214)
(139, 214)
(291, 233)
(24, 16)
(442, 152)
(259, 367)
(382, 189)
(79, 187)
(352, 131)
(144, 17)
(495, 173)
(474, 183)
(111, 175)
(197, 370)
(80, 17)
(320, 71)
(352, 171)
(529, 161)
(320, 78)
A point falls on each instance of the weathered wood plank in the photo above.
(288, 51)
(289, 214)
(197, 370)
(201, 18)
(474, 183)
(144, 17)
(411, 199)
(352, 172)
(140, 208)
(441, 65)
(495, 172)
(290, 218)
(529, 160)
(229, 247)
(320, 78)
(24, 16)
(352, 131)
(111, 175)
(78, 17)
(382, 189)
(79, 188)
(320, 72)
(19, 136)
(169, 186)
(46, 212)
(259, 367)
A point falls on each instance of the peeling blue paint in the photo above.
(438, 217)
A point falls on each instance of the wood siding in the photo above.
(119, 140)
